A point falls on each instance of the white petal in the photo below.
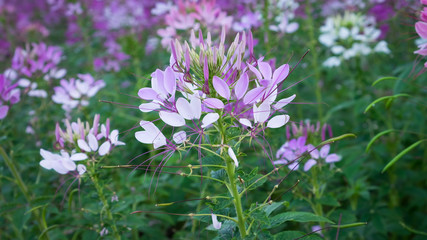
(93, 142)
(48, 164)
(81, 169)
(283, 102)
(180, 137)
(324, 151)
(245, 122)
(148, 107)
(233, 156)
(83, 145)
(215, 223)
(78, 157)
(172, 119)
(105, 148)
(184, 108)
(278, 121)
(209, 119)
(262, 112)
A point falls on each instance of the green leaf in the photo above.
(382, 79)
(401, 154)
(296, 234)
(378, 136)
(270, 208)
(296, 217)
(329, 201)
(219, 174)
(372, 104)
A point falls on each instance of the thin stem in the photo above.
(237, 199)
(18, 180)
(104, 201)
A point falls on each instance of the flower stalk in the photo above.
(100, 191)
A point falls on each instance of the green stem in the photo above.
(312, 45)
(237, 198)
(21, 185)
(104, 201)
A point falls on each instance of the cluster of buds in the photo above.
(76, 92)
(9, 95)
(349, 36)
(80, 142)
(304, 136)
(205, 83)
(421, 28)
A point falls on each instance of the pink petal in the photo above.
(254, 70)
(421, 28)
(83, 145)
(180, 137)
(283, 102)
(278, 121)
(172, 119)
(241, 86)
(170, 81)
(104, 148)
(324, 151)
(213, 103)
(265, 69)
(333, 158)
(147, 94)
(253, 95)
(233, 156)
(280, 74)
(184, 108)
(93, 142)
(310, 163)
(209, 119)
(245, 122)
(314, 152)
(3, 111)
(262, 112)
(221, 87)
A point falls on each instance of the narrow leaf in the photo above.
(401, 154)
(382, 79)
(385, 98)
(378, 136)
(331, 140)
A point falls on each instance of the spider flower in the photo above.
(206, 82)
(9, 95)
(300, 141)
(421, 28)
(76, 92)
(189, 15)
(350, 35)
(80, 142)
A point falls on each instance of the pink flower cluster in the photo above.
(76, 92)
(79, 142)
(421, 28)
(189, 15)
(205, 83)
(9, 95)
(293, 150)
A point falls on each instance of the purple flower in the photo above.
(76, 92)
(290, 152)
(317, 155)
(9, 95)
